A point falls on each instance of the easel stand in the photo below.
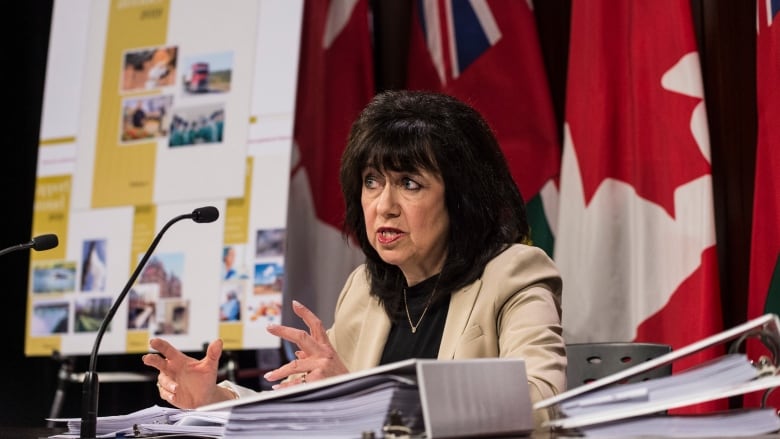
(66, 376)
(63, 378)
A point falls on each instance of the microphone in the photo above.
(42, 242)
(89, 393)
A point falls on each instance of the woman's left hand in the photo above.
(316, 358)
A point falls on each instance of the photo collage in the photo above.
(252, 280)
(185, 114)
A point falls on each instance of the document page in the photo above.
(738, 422)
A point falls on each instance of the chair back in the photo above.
(590, 361)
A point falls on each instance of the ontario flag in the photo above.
(636, 237)
(487, 54)
(335, 81)
(764, 288)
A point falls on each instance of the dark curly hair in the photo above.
(404, 131)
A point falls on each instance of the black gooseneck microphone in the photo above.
(89, 392)
(41, 242)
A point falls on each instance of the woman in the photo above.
(431, 201)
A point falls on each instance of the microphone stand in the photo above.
(42, 242)
(89, 393)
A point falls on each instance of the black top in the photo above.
(401, 343)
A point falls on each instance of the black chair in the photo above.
(590, 361)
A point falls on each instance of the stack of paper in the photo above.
(362, 406)
(723, 377)
(658, 394)
(605, 408)
(736, 423)
(152, 420)
(351, 407)
(452, 399)
(189, 423)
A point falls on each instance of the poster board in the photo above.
(152, 109)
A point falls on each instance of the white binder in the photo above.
(457, 398)
(767, 326)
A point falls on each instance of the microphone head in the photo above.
(207, 214)
(44, 242)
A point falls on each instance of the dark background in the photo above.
(726, 33)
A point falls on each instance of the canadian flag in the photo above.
(636, 236)
(487, 53)
(764, 289)
(335, 81)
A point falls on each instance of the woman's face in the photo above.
(406, 220)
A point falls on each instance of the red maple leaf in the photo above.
(624, 124)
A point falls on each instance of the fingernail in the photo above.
(271, 326)
(267, 374)
(275, 386)
(296, 303)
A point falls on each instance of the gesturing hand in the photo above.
(184, 381)
(316, 358)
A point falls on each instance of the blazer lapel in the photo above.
(373, 335)
(461, 306)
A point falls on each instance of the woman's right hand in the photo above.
(184, 381)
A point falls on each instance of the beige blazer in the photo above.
(513, 310)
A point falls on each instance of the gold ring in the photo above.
(303, 378)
